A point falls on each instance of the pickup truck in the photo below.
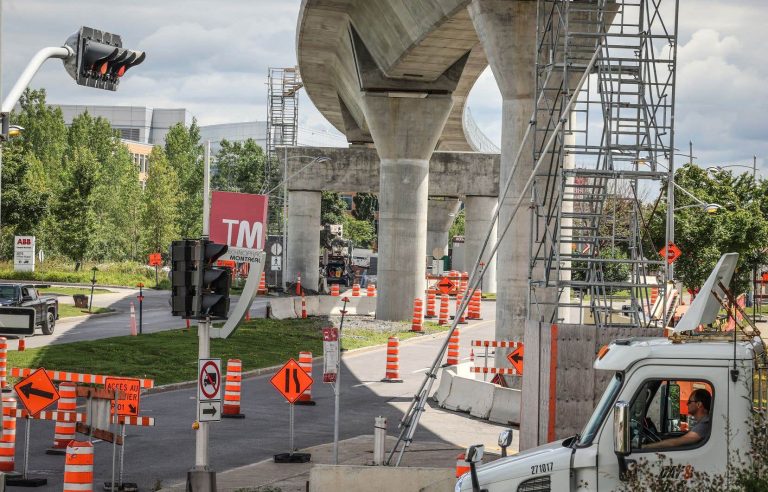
(22, 295)
(647, 409)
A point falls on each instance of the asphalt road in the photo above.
(162, 455)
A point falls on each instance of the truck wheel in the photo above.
(49, 323)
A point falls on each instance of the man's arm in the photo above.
(686, 439)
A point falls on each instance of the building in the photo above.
(140, 154)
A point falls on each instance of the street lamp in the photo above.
(753, 167)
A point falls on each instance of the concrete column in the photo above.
(478, 212)
(440, 216)
(405, 131)
(303, 253)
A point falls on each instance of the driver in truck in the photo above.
(699, 404)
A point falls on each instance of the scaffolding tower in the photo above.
(590, 200)
(283, 86)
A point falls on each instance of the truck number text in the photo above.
(542, 468)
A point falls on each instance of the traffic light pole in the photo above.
(201, 478)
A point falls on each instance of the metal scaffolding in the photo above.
(283, 86)
(590, 200)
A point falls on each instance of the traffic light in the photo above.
(99, 58)
(211, 283)
(183, 269)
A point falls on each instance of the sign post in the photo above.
(291, 381)
(155, 260)
(209, 390)
(140, 285)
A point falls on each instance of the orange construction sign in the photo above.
(36, 391)
(291, 381)
(155, 259)
(671, 252)
(128, 401)
(516, 358)
(446, 286)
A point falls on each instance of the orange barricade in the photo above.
(8, 441)
(392, 374)
(232, 390)
(430, 304)
(262, 284)
(78, 467)
(474, 305)
(64, 432)
(417, 312)
(355, 290)
(453, 349)
(335, 290)
(459, 299)
(443, 319)
(305, 362)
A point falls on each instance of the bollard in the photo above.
(78, 467)
(417, 313)
(459, 299)
(305, 362)
(335, 290)
(64, 432)
(22, 344)
(393, 361)
(232, 390)
(462, 466)
(8, 440)
(430, 304)
(355, 290)
(379, 440)
(303, 307)
(443, 319)
(262, 290)
(248, 314)
(133, 320)
(3, 362)
(453, 349)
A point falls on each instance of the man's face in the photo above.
(693, 406)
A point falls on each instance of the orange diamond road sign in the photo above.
(155, 259)
(128, 402)
(446, 286)
(36, 391)
(671, 252)
(291, 381)
(516, 358)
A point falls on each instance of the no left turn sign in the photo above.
(209, 379)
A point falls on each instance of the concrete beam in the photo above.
(454, 174)
(440, 215)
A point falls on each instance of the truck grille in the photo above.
(538, 484)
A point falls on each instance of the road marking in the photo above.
(365, 384)
(420, 370)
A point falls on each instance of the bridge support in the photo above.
(441, 212)
(479, 212)
(303, 248)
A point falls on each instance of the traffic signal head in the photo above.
(100, 59)
(183, 269)
(212, 283)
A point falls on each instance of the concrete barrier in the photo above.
(323, 478)
(467, 394)
(506, 406)
(282, 308)
(444, 389)
(290, 307)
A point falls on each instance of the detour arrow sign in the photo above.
(516, 359)
(36, 391)
(446, 286)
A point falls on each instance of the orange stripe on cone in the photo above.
(232, 390)
(64, 432)
(462, 466)
(430, 304)
(417, 315)
(453, 348)
(392, 374)
(443, 319)
(8, 440)
(3, 362)
(78, 467)
(305, 362)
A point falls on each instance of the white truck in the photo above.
(645, 402)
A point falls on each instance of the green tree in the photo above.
(74, 207)
(458, 225)
(240, 167)
(361, 232)
(184, 154)
(366, 206)
(45, 134)
(160, 205)
(332, 208)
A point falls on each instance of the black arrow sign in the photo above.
(28, 390)
(210, 411)
(132, 409)
(516, 357)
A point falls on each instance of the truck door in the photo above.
(653, 393)
(29, 299)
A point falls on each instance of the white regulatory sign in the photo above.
(276, 249)
(276, 263)
(209, 411)
(209, 379)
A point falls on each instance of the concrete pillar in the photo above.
(440, 215)
(478, 212)
(303, 247)
(405, 131)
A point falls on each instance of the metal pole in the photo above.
(141, 308)
(337, 391)
(122, 456)
(754, 270)
(26, 76)
(26, 448)
(113, 424)
(290, 429)
(285, 218)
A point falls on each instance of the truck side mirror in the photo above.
(622, 440)
(505, 439)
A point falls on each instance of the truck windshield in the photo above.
(611, 392)
(7, 292)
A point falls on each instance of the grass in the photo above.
(171, 356)
(489, 295)
(69, 310)
(70, 291)
(357, 338)
(126, 274)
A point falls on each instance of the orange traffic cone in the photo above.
(303, 307)
(64, 432)
(462, 466)
(262, 284)
(370, 290)
(417, 315)
(133, 320)
(335, 290)
(459, 299)
(355, 290)
(305, 362)
(232, 390)
(430, 304)
(78, 466)
(392, 374)
(453, 349)
(474, 305)
(443, 319)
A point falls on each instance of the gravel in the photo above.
(369, 323)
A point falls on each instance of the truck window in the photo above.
(7, 292)
(659, 411)
(603, 406)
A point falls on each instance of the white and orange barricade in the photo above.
(232, 383)
(443, 319)
(453, 349)
(431, 313)
(355, 290)
(305, 362)
(64, 432)
(74, 377)
(78, 467)
(417, 315)
(486, 344)
(370, 290)
(335, 290)
(392, 374)
(3, 362)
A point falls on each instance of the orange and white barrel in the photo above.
(431, 313)
(3, 362)
(453, 349)
(462, 466)
(463, 282)
(64, 432)
(462, 318)
(8, 440)
(370, 290)
(335, 290)
(232, 390)
(355, 290)
(474, 305)
(654, 294)
(392, 374)
(443, 319)
(417, 315)
(305, 362)
(78, 467)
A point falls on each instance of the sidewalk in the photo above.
(356, 451)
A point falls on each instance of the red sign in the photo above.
(226, 263)
(764, 277)
(239, 219)
(516, 358)
(671, 252)
(36, 391)
(291, 381)
(155, 259)
(446, 286)
(128, 401)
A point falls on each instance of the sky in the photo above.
(212, 58)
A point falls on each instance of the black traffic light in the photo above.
(183, 269)
(100, 59)
(211, 283)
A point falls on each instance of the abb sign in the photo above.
(240, 221)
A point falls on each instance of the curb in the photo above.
(89, 316)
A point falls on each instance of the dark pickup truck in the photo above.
(21, 295)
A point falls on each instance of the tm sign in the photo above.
(240, 221)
